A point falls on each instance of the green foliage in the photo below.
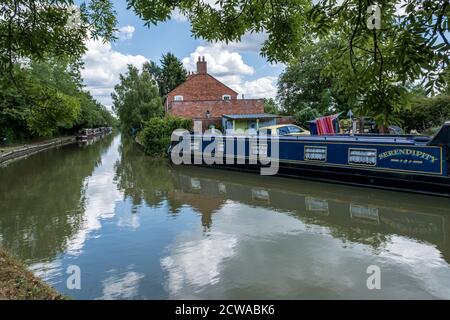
(304, 85)
(157, 132)
(45, 99)
(52, 110)
(270, 106)
(169, 75)
(13, 109)
(37, 29)
(426, 113)
(136, 99)
(304, 115)
(372, 68)
(93, 114)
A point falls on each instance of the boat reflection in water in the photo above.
(354, 214)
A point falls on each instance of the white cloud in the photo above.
(178, 16)
(126, 32)
(264, 87)
(229, 67)
(220, 62)
(198, 262)
(122, 286)
(102, 67)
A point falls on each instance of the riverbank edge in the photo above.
(26, 150)
(19, 283)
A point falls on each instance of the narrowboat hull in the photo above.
(402, 163)
(437, 186)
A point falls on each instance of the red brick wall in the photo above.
(197, 109)
(201, 87)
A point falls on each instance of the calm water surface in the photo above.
(140, 228)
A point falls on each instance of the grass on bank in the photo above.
(18, 283)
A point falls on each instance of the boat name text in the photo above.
(408, 152)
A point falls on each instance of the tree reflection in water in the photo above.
(42, 205)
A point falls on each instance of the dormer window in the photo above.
(226, 97)
(178, 98)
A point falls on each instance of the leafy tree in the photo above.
(37, 29)
(373, 65)
(92, 113)
(304, 115)
(304, 85)
(47, 98)
(52, 110)
(157, 132)
(270, 106)
(426, 113)
(169, 75)
(136, 99)
(172, 73)
(13, 108)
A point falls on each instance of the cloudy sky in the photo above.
(238, 65)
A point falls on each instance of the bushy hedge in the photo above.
(157, 131)
(426, 113)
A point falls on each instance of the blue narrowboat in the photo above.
(405, 162)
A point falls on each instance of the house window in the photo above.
(226, 97)
(178, 98)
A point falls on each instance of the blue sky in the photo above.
(238, 65)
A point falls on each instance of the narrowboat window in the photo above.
(362, 156)
(178, 98)
(315, 153)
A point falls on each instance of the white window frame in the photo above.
(178, 98)
(317, 148)
(355, 163)
(226, 97)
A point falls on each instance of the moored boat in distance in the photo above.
(398, 162)
(89, 133)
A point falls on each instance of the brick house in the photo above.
(203, 97)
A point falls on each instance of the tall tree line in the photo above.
(47, 98)
(140, 94)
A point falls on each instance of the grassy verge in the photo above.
(17, 282)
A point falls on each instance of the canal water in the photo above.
(138, 228)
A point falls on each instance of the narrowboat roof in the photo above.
(378, 139)
(363, 139)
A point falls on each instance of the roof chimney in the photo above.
(201, 65)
